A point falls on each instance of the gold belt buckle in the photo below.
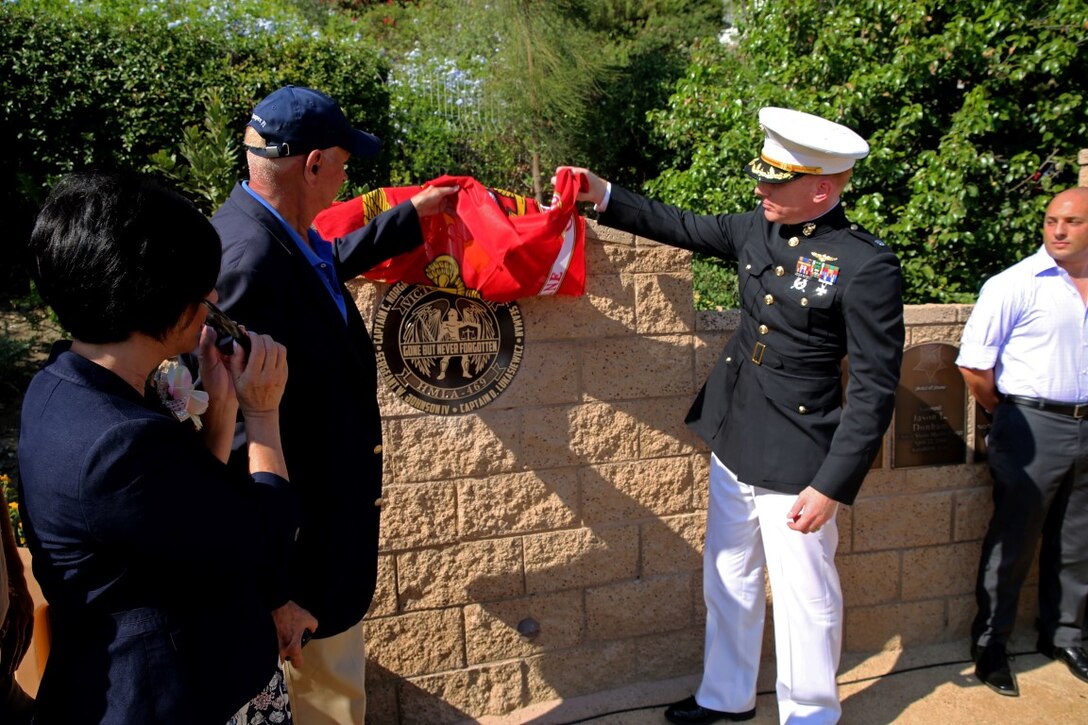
(757, 353)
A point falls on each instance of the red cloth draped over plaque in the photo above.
(505, 246)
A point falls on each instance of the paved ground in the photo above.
(932, 685)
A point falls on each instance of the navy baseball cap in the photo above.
(295, 120)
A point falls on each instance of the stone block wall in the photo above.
(549, 545)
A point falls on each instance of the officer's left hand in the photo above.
(810, 511)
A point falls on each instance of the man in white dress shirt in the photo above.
(1024, 356)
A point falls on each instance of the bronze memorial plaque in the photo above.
(446, 352)
(930, 408)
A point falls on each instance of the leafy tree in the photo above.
(486, 87)
(210, 151)
(106, 86)
(974, 110)
(545, 71)
(648, 50)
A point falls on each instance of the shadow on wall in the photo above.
(550, 546)
(576, 568)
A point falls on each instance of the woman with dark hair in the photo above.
(164, 570)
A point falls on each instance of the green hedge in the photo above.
(85, 90)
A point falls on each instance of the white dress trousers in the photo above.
(746, 533)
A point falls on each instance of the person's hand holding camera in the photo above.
(259, 380)
(260, 376)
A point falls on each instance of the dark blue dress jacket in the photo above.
(160, 566)
(811, 294)
(329, 417)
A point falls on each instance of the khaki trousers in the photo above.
(330, 688)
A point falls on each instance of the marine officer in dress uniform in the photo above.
(787, 446)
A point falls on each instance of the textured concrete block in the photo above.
(392, 407)
(700, 475)
(917, 315)
(973, 509)
(961, 611)
(634, 368)
(584, 557)
(605, 258)
(455, 697)
(950, 334)
(844, 519)
(548, 375)
(670, 654)
(545, 441)
(708, 348)
(869, 578)
(453, 446)
(492, 634)
(593, 667)
(660, 426)
(894, 626)
(599, 432)
(602, 233)
(567, 435)
(901, 481)
(663, 304)
(940, 571)
(643, 606)
(366, 295)
(475, 571)
(606, 310)
(726, 321)
(673, 544)
(385, 594)
(698, 598)
(381, 701)
(417, 643)
(899, 522)
(418, 514)
(637, 490)
(539, 500)
(655, 258)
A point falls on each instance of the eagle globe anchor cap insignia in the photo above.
(444, 349)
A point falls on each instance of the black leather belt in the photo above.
(1079, 410)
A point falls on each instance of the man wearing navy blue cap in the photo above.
(280, 277)
(785, 450)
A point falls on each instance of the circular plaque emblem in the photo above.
(446, 353)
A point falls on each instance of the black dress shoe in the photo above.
(1075, 658)
(992, 668)
(689, 712)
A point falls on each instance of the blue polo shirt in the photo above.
(318, 252)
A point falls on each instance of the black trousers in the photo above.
(1039, 464)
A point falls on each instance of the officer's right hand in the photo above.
(594, 187)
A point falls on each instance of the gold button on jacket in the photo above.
(771, 413)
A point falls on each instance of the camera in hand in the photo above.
(227, 331)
